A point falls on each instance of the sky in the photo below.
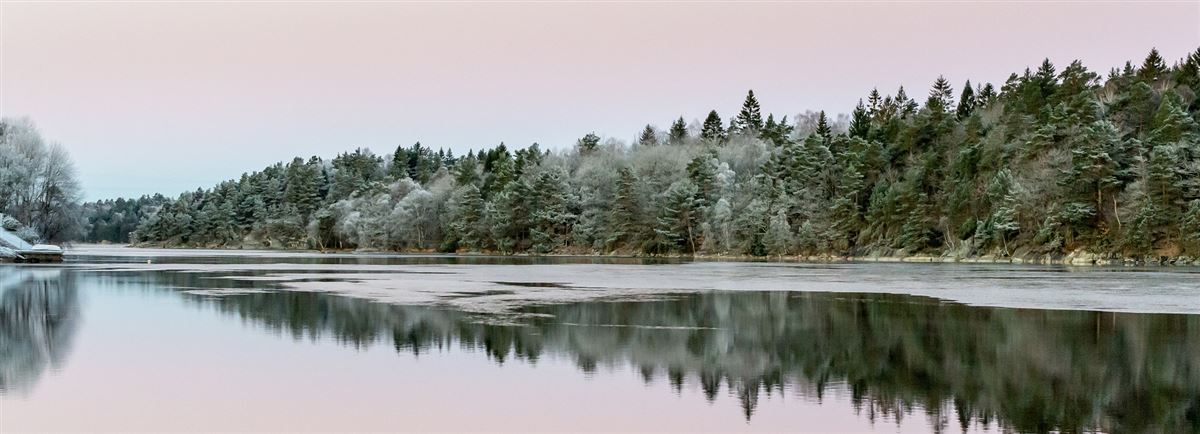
(169, 97)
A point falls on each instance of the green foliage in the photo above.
(712, 129)
(1048, 163)
(749, 120)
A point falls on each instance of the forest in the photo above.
(1056, 159)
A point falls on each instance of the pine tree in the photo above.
(941, 96)
(873, 102)
(1003, 221)
(1045, 80)
(847, 215)
(1171, 122)
(823, 130)
(1093, 173)
(466, 170)
(1190, 226)
(649, 137)
(712, 128)
(1153, 68)
(509, 215)
(1188, 74)
(588, 143)
(678, 134)
(626, 210)
(702, 174)
(966, 101)
(986, 95)
(467, 228)
(749, 120)
(905, 105)
(552, 218)
(677, 227)
(860, 121)
(302, 189)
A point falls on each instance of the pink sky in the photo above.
(170, 97)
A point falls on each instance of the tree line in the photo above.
(1050, 161)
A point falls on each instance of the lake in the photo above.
(173, 340)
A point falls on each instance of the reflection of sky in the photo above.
(156, 97)
(148, 361)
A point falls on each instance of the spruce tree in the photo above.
(941, 96)
(860, 121)
(626, 209)
(649, 137)
(677, 227)
(986, 95)
(905, 106)
(749, 120)
(824, 131)
(966, 101)
(712, 128)
(678, 134)
(552, 219)
(873, 102)
(467, 228)
(1153, 68)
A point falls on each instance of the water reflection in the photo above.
(39, 315)
(1028, 370)
(894, 356)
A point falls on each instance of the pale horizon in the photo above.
(158, 98)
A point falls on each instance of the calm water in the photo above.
(281, 342)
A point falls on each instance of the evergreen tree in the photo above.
(941, 96)
(873, 102)
(649, 137)
(1003, 222)
(467, 227)
(677, 227)
(678, 134)
(906, 106)
(779, 238)
(749, 120)
(860, 121)
(1153, 68)
(712, 128)
(626, 210)
(552, 219)
(823, 130)
(986, 95)
(966, 101)
(588, 143)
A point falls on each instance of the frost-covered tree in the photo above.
(37, 182)
(1047, 162)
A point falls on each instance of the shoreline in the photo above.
(1078, 258)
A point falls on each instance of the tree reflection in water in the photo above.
(39, 315)
(1028, 370)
